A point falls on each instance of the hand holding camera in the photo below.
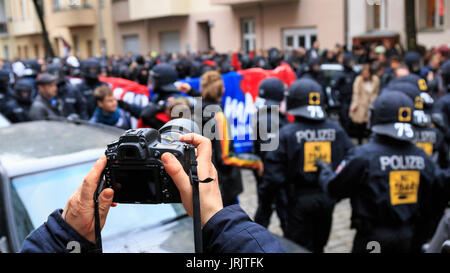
(147, 167)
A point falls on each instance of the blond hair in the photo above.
(212, 86)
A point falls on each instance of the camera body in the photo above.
(135, 171)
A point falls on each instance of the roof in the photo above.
(34, 145)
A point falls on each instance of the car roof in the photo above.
(52, 143)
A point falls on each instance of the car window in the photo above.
(41, 194)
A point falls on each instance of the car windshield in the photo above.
(40, 194)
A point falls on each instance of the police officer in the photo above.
(423, 86)
(269, 122)
(313, 71)
(19, 103)
(5, 91)
(389, 180)
(441, 109)
(91, 70)
(413, 61)
(292, 166)
(429, 138)
(343, 85)
(71, 100)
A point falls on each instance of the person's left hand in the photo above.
(79, 211)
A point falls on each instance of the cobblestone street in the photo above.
(341, 238)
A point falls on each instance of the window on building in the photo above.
(435, 13)
(376, 11)
(57, 4)
(248, 35)
(19, 52)
(36, 51)
(25, 50)
(6, 52)
(90, 48)
(297, 37)
(76, 45)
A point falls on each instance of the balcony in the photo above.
(244, 2)
(148, 9)
(70, 15)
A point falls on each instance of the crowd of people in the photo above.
(397, 103)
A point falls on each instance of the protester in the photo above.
(107, 111)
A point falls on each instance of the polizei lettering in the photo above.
(402, 162)
(325, 135)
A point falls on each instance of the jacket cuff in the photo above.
(57, 236)
(232, 231)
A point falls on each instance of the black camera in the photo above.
(134, 168)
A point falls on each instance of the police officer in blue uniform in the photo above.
(19, 103)
(90, 70)
(71, 100)
(292, 166)
(271, 94)
(389, 181)
(343, 85)
(427, 137)
(441, 109)
(5, 91)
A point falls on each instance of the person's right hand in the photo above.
(210, 197)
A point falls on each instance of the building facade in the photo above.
(143, 26)
(227, 25)
(372, 18)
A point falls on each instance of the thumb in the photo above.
(104, 203)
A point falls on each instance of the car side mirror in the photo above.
(4, 245)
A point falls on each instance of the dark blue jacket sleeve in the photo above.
(232, 231)
(54, 236)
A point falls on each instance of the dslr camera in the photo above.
(134, 168)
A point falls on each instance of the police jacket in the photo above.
(442, 106)
(42, 109)
(228, 231)
(16, 112)
(389, 182)
(292, 165)
(343, 82)
(72, 101)
(432, 141)
(87, 88)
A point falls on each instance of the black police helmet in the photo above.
(306, 99)
(91, 69)
(272, 90)
(163, 76)
(413, 92)
(4, 76)
(391, 115)
(412, 60)
(23, 89)
(421, 84)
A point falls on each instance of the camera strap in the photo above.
(98, 231)
(195, 181)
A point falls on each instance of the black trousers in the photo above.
(384, 240)
(265, 210)
(309, 221)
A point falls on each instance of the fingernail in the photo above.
(108, 195)
(167, 158)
